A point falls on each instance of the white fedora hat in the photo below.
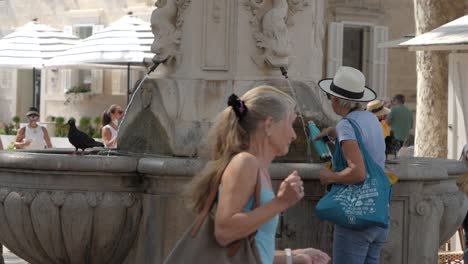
(348, 84)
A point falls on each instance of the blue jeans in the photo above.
(352, 246)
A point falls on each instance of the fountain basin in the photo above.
(59, 208)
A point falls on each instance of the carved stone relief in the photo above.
(270, 21)
(166, 23)
(216, 35)
(49, 226)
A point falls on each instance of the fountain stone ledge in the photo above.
(57, 208)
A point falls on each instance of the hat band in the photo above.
(345, 93)
(377, 109)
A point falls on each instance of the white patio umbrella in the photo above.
(125, 42)
(30, 45)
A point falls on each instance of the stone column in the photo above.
(432, 70)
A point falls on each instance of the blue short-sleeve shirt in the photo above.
(371, 133)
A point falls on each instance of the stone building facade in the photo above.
(81, 18)
(362, 25)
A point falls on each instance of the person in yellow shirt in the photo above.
(378, 108)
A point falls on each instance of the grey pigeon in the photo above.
(80, 140)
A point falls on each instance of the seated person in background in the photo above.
(110, 125)
(407, 150)
(32, 136)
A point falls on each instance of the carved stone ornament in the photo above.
(55, 226)
(58, 198)
(4, 193)
(94, 198)
(270, 21)
(423, 208)
(166, 23)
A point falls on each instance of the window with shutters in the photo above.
(355, 45)
(82, 31)
(83, 79)
(120, 80)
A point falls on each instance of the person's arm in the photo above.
(354, 173)
(302, 256)
(329, 131)
(389, 118)
(19, 143)
(238, 186)
(107, 138)
(412, 121)
(47, 138)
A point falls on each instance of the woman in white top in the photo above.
(32, 136)
(110, 125)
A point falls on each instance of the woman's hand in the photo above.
(291, 190)
(326, 176)
(310, 256)
(329, 131)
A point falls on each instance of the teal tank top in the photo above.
(265, 237)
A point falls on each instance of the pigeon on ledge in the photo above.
(80, 140)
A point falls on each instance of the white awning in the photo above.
(451, 36)
(32, 44)
(395, 44)
(126, 41)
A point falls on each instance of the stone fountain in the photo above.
(124, 206)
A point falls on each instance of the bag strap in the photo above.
(209, 203)
(368, 160)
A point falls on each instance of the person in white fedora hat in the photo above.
(346, 91)
(348, 84)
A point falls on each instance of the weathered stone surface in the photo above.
(55, 214)
(215, 48)
(418, 205)
(173, 116)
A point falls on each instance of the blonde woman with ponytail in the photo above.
(246, 137)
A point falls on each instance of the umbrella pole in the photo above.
(34, 86)
(128, 82)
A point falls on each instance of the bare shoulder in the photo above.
(243, 167)
(245, 159)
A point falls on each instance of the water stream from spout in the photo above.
(284, 72)
(150, 70)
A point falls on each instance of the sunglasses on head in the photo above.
(33, 116)
(117, 111)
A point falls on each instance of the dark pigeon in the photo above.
(80, 140)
